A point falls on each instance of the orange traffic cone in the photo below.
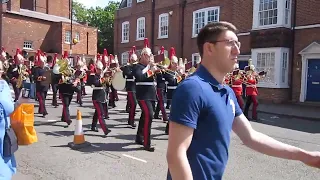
(78, 140)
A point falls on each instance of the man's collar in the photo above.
(204, 75)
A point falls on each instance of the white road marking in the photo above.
(128, 156)
(52, 120)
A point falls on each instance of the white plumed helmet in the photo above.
(99, 65)
(134, 57)
(146, 50)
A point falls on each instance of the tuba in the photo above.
(66, 71)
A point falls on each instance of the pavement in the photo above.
(118, 157)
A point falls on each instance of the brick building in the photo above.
(281, 36)
(45, 25)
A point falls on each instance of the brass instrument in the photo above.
(23, 75)
(66, 71)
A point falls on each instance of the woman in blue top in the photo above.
(7, 164)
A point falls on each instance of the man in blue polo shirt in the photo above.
(204, 111)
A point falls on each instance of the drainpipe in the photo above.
(153, 16)
(184, 4)
(293, 37)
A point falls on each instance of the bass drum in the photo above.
(118, 81)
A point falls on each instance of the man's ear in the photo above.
(208, 47)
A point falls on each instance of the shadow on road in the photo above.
(293, 124)
(103, 148)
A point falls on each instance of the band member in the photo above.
(161, 88)
(55, 77)
(98, 98)
(173, 76)
(14, 73)
(41, 88)
(131, 86)
(80, 73)
(113, 94)
(251, 81)
(67, 87)
(237, 79)
(4, 58)
(91, 71)
(146, 95)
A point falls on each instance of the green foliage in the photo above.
(101, 18)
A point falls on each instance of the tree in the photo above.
(102, 19)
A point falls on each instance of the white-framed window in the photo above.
(271, 14)
(124, 58)
(67, 38)
(125, 32)
(204, 16)
(139, 1)
(163, 26)
(129, 3)
(275, 62)
(78, 36)
(165, 53)
(27, 45)
(195, 58)
(284, 65)
(141, 28)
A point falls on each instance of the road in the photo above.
(117, 157)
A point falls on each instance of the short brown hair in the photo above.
(211, 32)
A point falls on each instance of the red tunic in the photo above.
(237, 86)
(251, 87)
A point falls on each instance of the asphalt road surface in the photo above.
(118, 157)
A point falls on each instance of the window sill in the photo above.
(140, 39)
(28, 49)
(163, 37)
(272, 85)
(123, 42)
(270, 27)
(67, 43)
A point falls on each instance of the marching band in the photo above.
(148, 79)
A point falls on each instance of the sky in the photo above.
(94, 3)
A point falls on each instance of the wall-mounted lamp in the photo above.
(170, 13)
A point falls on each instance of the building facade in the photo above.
(45, 25)
(281, 37)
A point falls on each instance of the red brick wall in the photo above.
(46, 36)
(273, 95)
(245, 44)
(59, 8)
(308, 12)
(13, 5)
(81, 47)
(41, 6)
(17, 29)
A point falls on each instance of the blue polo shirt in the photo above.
(208, 107)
